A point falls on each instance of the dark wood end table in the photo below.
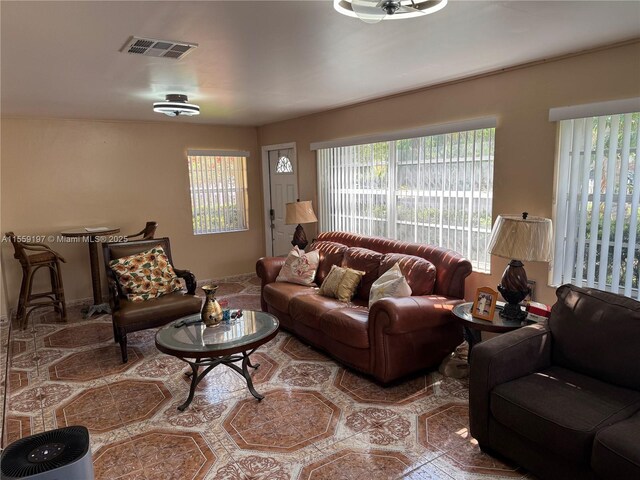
(200, 346)
(473, 327)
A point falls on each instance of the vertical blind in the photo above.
(597, 209)
(218, 191)
(435, 189)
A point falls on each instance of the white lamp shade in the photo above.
(300, 212)
(529, 239)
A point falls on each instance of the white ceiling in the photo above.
(264, 61)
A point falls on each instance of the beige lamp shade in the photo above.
(529, 239)
(300, 212)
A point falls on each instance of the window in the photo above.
(435, 189)
(218, 191)
(284, 165)
(597, 220)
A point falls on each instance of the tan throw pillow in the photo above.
(390, 284)
(300, 267)
(145, 275)
(341, 283)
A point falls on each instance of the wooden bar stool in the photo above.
(31, 263)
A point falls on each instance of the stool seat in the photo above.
(38, 258)
(31, 263)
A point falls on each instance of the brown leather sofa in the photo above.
(398, 336)
(562, 399)
(129, 316)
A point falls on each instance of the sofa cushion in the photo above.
(420, 273)
(584, 321)
(279, 294)
(331, 253)
(156, 310)
(366, 261)
(341, 283)
(307, 309)
(390, 284)
(299, 267)
(347, 325)
(561, 410)
(616, 450)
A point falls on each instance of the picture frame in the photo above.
(484, 304)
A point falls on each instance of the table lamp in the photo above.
(519, 237)
(300, 212)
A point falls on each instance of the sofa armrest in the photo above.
(501, 359)
(397, 316)
(189, 279)
(268, 268)
(410, 334)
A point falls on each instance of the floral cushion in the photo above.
(341, 283)
(145, 275)
(390, 284)
(299, 267)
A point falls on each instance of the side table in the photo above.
(473, 327)
(98, 304)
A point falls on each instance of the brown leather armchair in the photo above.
(130, 316)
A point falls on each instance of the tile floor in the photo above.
(318, 420)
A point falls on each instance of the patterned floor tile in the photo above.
(354, 464)
(285, 421)
(111, 406)
(155, 454)
(94, 363)
(317, 420)
(447, 429)
(364, 390)
(18, 426)
(79, 336)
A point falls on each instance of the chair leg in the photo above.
(116, 335)
(123, 345)
(22, 322)
(59, 289)
(23, 289)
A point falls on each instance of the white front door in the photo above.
(282, 189)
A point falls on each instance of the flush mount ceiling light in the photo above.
(175, 105)
(373, 11)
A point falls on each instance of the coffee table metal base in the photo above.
(211, 363)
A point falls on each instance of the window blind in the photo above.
(436, 190)
(218, 191)
(597, 204)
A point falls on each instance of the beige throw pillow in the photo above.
(300, 267)
(390, 284)
(341, 283)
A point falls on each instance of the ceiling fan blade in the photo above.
(368, 10)
(405, 9)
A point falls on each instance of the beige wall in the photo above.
(525, 139)
(58, 174)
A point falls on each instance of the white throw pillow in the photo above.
(390, 284)
(300, 267)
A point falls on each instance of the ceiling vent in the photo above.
(157, 48)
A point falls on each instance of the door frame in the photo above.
(266, 188)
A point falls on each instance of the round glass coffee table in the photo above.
(200, 346)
